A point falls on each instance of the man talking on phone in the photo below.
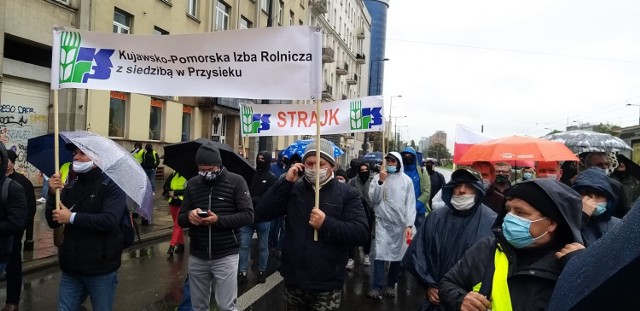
(216, 205)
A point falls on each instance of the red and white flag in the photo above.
(465, 138)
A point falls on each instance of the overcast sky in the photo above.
(516, 67)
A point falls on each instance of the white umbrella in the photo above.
(580, 141)
(119, 165)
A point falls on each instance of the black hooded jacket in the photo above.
(595, 227)
(13, 213)
(262, 179)
(445, 236)
(532, 272)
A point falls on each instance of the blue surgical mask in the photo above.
(516, 230)
(486, 184)
(600, 208)
(391, 169)
(527, 176)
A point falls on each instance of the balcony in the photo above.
(360, 34)
(327, 55)
(360, 59)
(320, 6)
(342, 70)
(352, 80)
(327, 92)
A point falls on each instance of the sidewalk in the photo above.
(44, 254)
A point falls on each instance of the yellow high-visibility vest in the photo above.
(64, 172)
(177, 183)
(500, 297)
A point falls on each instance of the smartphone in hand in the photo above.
(203, 214)
(301, 172)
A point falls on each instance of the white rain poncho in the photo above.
(394, 203)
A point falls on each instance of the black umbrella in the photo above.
(181, 158)
(603, 276)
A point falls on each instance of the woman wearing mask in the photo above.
(448, 233)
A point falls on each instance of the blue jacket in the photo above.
(421, 182)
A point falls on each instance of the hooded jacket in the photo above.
(445, 236)
(262, 179)
(421, 182)
(308, 264)
(394, 205)
(595, 227)
(532, 272)
(13, 213)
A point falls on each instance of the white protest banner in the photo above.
(345, 116)
(268, 63)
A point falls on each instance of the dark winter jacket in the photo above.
(495, 199)
(437, 182)
(93, 243)
(445, 236)
(228, 197)
(623, 206)
(262, 180)
(308, 264)
(30, 194)
(13, 214)
(363, 189)
(532, 272)
(595, 227)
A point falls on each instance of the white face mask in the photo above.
(486, 184)
(82, 167)
(551, 176)
(310, 174)
(463, 202)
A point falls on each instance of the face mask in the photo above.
(82, 167)
(527, 176)
(516, 230)
(209, 176)
(261, 164)
(600, 208)
(363, 175)
(310, 174)
(463, 202)
(550, 176)
(391, 169)
(408, 161)
(502, 179)
(486, 184)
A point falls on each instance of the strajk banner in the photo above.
(268, 63)
(346, 116)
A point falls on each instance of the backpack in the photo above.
(149, 160)
(128, 227)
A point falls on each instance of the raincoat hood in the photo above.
(398, 158)
(596, 179)
(4, 161)
(267, 160)
(413, 152)
(567, 200)
(447, 192)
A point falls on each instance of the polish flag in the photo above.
(465, 138)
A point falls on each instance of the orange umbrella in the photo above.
(518, 148)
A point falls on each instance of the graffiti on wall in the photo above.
(18, 123)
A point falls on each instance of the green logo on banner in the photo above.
(364, 118)
(79, 64)
(254, 123)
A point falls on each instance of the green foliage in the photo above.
(438, 151)
(607, 128)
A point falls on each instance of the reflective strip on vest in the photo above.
(64, 172)
(500, 297)
(177, 183)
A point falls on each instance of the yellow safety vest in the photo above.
(138, 156)
(500, 297)
(177, 183)
(64, 172)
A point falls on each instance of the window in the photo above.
(264, 5)
(186, 123)
(159, 31)
(245, 23)
(291, 18)
(222, 16)
(192, 7)
(121, 21)
(155, 119)
(280, 13)
(117, 108)
(300, 22)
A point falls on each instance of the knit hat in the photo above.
(536, 197)
(466, 174)
(326, 151)
(341, 172)
(12, 155)
(208, 154)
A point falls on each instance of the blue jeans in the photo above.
(45, 186)
(378, 274)
(74, 290)
(152, 178)
(246, 233)
(276, 233)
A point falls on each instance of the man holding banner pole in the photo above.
(314, 271)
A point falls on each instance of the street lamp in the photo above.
(395, 131)
(638, 111)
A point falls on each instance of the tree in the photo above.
(438, 151)
(607, 128)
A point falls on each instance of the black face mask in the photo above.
(261, 165)
(408, 161)
(363, 176)
(502, 179)
(429, 168)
